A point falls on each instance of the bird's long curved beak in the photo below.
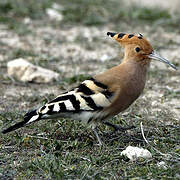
(156, 56)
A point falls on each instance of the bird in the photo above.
(99, 98)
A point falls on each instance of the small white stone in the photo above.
(133, 153)
(54, 14)
(162, 165)
(27, 20)
(27, 72)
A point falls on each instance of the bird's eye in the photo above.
(137, 49)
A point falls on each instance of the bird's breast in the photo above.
(131, 85)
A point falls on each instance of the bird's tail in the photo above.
(29, 117)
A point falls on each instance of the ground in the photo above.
(77, 47)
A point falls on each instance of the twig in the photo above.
(38, 137)
(142, 132)
(8, 147)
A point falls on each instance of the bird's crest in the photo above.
(125, 38)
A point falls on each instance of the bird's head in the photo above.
(138, 48)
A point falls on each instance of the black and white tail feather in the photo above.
(84, 103)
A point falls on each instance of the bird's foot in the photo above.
(119, 128)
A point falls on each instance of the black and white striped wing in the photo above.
(89, 96)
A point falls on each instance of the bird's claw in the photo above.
(120, 128)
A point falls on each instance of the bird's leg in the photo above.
(97, 136)
(118, 128)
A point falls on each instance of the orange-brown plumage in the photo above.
(127, 80)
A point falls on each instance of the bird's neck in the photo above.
(135, 72)
(139, 64)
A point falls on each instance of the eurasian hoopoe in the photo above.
(106, 94)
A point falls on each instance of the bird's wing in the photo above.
(90, 95)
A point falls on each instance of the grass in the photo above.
(20, 8)
(101, 12)
(84, 12)
(66, 149)
(78, 78)
(69, 150)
